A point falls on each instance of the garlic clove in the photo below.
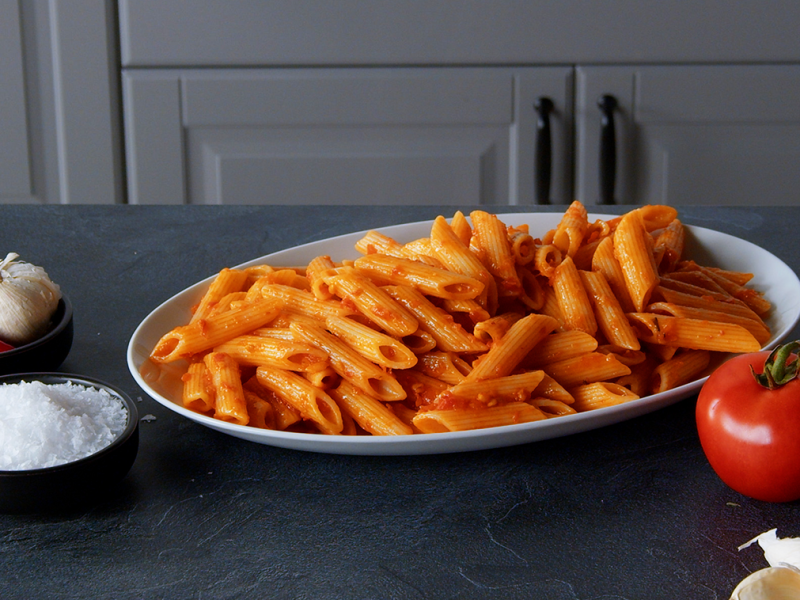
(772, 583)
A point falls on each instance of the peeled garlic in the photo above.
(28, 298)
(781, 581)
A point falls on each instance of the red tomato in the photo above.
(4, 346)
(750, 433)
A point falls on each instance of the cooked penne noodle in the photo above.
(285, 415)
(682, 368)
(229, 404)
(560, 346)
(449, 335)
(305, 302)
(552, 408)
(429, 280)
(491, 330)
(531, 294)
(470, 308)
(326, 379)
(461, 227)
(731, 306)
(422, 390)
(203, 334)
(639, 380)
(445, 366)
(226, 282)
(546, 258)
(490, 239)
(570, 231)
(610, 316)
(369, 413)
(696, 334)
(510, 388)
(198, 391)
(633, 250)
(588, 368)
(756, 327)
(318, 269)
(311, 402)
(749, 296)
(419, 342)
(374, 242)
(656, 216)
(441, 421)
(669, 245)
(599, 395)
(572, 299)
(378, 347)
(254, 350)
(550, 388)
(737, 277)
(259, 411)
(523, 247)
(457, 257)
(604, 261)
(505, 354)
(372, 302)
(351, 365)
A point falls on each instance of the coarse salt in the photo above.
(44, 425)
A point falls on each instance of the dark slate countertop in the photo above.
(629, 511)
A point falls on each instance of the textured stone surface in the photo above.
(629, 511)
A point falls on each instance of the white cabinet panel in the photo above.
(342, 136)
(694, 135)
(15, 175)
(204, 33)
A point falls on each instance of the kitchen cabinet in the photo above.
(691, 134)
(368, 103)
(59, 106)
(344, 136)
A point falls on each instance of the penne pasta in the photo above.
(203, 334)
(696, 334)
(572, 300)
(373, 416)
(429, 280)
(349, 364)
(381, 349)
(230, 404)
(599, 395)
(311, 402)
(476, 325)
(449, 335)
(681, 368)
(633, 250)
(372, 302)
(441, 421)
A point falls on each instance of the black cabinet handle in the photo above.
(543, 158)
(608, 149)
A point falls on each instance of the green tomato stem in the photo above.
(780, 367)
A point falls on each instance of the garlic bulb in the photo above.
(782, 579)
(773, 583)
(28, 298)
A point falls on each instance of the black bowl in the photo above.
(48, 352)
(76, 484)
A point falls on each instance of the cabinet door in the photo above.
(693, 134)
(342, 136)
